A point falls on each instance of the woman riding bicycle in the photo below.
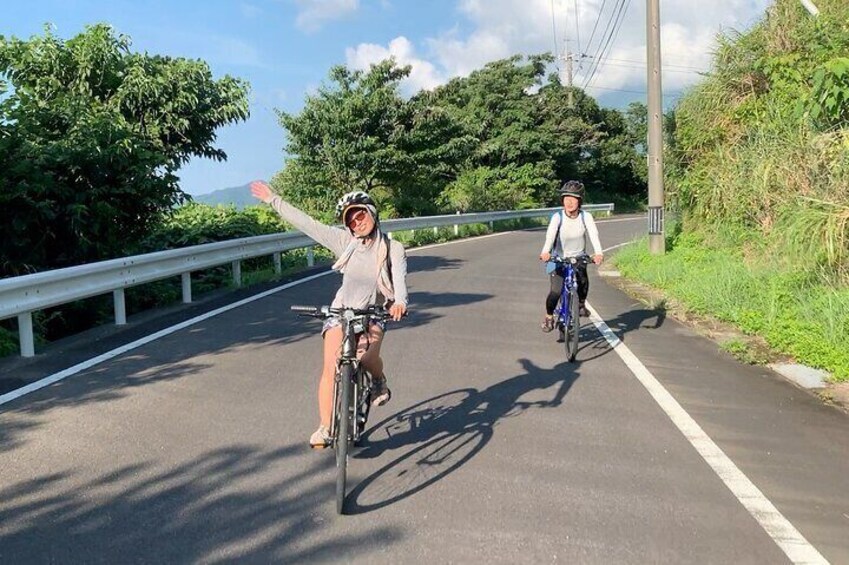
(566, 237)
(374, 271)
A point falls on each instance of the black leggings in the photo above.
(556, 280)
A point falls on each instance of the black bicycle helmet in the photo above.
(572, 188)
(355, 198)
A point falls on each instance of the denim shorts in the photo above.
(334, 322)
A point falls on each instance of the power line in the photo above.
(595, 26)
(667, 95)
(554, 35)
(643, 66)
(577, 26)
(606, 35)
(643, 63)
(603, 41)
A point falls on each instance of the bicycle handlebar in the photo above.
(585, 259)
(378, 312)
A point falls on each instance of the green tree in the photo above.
(91, 138)
(357, 132)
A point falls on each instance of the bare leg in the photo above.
(369, 352)
(332, 347)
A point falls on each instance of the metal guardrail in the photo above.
(21, 296)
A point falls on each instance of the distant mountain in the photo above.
(238, 196)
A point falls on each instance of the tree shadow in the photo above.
(419, 263)
(436, 437)
(116, 378)
(222, 506)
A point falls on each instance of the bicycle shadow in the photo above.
(439, 435)
(594, 345)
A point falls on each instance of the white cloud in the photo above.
(313, 14)
(494, 29)
(423, 74)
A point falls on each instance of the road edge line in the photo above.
(783, 533)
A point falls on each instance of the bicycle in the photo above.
(568, 309)
(352, 385)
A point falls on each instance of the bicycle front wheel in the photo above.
(573, 327)
(343, 434)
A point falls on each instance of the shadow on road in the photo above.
(436, 437)
(239, 504)
(593, 345)
(193, 356)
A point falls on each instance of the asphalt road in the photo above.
(192, 448)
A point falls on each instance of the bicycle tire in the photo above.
(573, 331)
(343, 435)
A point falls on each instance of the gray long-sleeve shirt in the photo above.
(359, 282)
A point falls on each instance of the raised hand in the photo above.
(261, 191)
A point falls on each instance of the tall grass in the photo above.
(793, 310)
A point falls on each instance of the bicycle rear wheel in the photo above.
(573, 327)
(343, 434)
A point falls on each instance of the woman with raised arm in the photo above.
(374, 271)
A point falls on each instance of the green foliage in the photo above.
(8, 342)
(196, 224)
(761, 143)
(508, 188)
(358, 133)
(721, 276)
(829, 103)
(91, 136)
(500, 138)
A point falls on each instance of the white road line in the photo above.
(56, 377)
(782, 532)
(618, 246)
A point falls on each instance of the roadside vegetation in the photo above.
(758, 173)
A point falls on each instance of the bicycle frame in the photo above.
(352, 329)
(569, 281)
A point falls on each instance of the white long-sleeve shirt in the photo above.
(573, 231)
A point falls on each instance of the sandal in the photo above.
(320, 438)
(380, 392)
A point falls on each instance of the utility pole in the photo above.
(657, 241)
(567, 57)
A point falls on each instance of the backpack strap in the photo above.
(389, 257)
(557, 233)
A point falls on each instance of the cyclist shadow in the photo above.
(594, 345)
(439, 435)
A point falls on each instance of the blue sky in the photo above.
(284, 48)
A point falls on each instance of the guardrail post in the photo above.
(237, 273)
(25, 336)
(310, 256)
(456, 227)
(435, 230)
(186, 279)
(278, 266)
(491, 225)
(389, 234)
(120, 307)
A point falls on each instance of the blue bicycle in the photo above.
(568, 309)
